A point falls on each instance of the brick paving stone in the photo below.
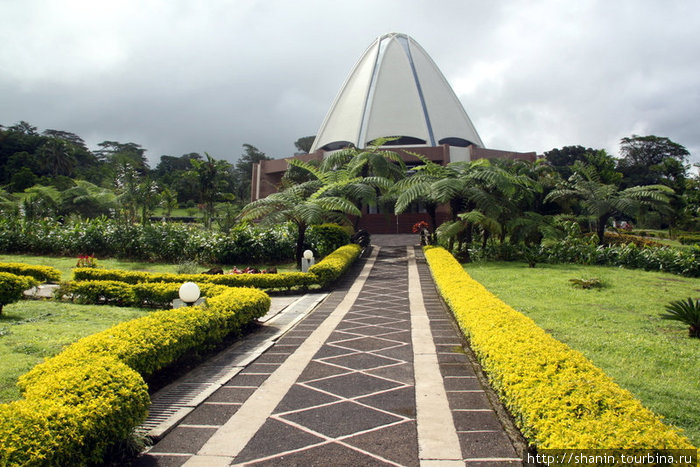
(210, 414)
(231, 394)
(184, 440)
(275, 437)
(384, 442)
(341, 419)
(333, 454)
(354, 385)
(302, 397)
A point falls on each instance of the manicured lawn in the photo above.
(66, 263)
(617, 327)
(31, 330)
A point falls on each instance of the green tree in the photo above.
(601, 201)
(22, 179)
(147, 198)
(168, 200)
(212, 179)
(244, 169)
(119, 155)
(57, 157)
(562, 159)
(304, 143)
(41, 201)
(648, 160)
(88, 200)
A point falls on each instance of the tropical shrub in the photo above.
(152, 342)
(686, 311)
(325, 238)
(12, 287)
(583, 250)
(558, 398)
(173, 242)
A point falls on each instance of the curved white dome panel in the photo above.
(396, 90)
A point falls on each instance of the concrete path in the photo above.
(375, 375)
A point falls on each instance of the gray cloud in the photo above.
(178, 76)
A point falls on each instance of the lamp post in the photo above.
(189, 293)
(307, 261)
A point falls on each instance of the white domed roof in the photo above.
(396, 90)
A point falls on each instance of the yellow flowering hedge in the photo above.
(93, 394)
(323, 273)
(40, 273)
(558, 397)
(334, 265)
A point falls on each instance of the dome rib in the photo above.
(395, 89)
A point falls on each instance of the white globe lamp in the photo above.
(189, 292)
(307, 260)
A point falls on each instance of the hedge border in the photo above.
(68, 418)
(323, 273)
(93, 394)
(40, 273)
(558, 398)
(143, 294)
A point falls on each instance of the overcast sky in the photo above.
(181, 76)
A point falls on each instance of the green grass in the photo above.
(31, 330)
(617, 327)
(66, 264)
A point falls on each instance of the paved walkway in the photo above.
(375, 375)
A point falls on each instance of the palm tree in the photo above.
(88, 200)
(476, 186)
(57, 157)
(211, 176)
(41, 201)
(168, 200)
(419, 188)
(303, 205)
(601, 201)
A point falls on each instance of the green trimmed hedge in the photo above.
(12, 287)
(284, 280)
(558, 397)
(93, 394)
(144, 294)
(40, 273)
(323, 273)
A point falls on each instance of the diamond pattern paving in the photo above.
(354, 403)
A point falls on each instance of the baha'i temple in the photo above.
(394, 91)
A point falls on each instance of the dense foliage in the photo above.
(170, 242)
